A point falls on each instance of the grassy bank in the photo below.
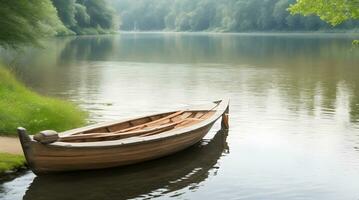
(20, 106)
(10, 162)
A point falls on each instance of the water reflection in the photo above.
(310, 71)
(257, 50)
(185, 169)
(294, 105)
(86, 48)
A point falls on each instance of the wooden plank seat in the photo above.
(121, 135)
(176, 114)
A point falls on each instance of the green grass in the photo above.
(10, 162)
(20, 106)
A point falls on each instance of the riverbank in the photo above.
(10, 163)
(20, 106)
(12, 159)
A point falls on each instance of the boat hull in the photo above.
(61, 157)
(47, 159)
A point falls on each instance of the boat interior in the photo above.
(140, 127)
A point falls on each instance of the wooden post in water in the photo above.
(225, 120)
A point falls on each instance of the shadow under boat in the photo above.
(171, 173)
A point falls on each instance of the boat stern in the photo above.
(223, 108)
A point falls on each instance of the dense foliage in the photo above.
(216, 15)
(23, 21)
(87, 16)
(333, 11)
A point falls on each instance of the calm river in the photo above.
(294, 113)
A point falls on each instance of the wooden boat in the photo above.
(121, 142)
(188, 168)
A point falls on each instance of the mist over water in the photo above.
(294, 112)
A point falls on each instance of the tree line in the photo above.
(217, 15)
(87, 16)
(25, 21)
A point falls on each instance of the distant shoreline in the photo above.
(353, 34)
(351, 31)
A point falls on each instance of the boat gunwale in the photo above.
(221, 107)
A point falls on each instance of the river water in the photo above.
(294, 113)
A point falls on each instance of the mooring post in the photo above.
(225, 119)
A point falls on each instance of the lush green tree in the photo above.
(86, 16)
(246, 14)
(81, 16)
(25, 21)
(100, 14)
(332, 11)
(265, 20)
(280, 13)
(66, 10)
